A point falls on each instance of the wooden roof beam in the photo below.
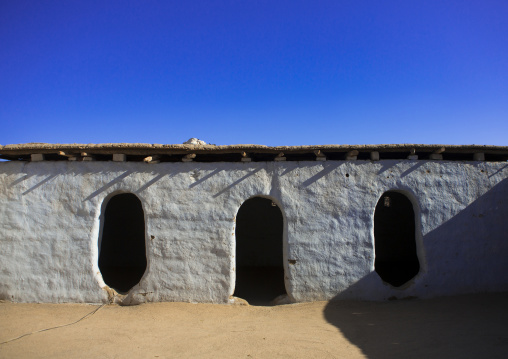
(152, 159)
(351, 155)
(280, 157)
(412, 154)
(245, 157)
(189, 158)
(320, 156)
(437, 154)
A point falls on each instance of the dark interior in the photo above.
(394, 232)
(259, 260)
(122, 256)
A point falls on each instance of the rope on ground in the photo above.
(58, 326)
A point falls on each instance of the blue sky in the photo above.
(263, 72)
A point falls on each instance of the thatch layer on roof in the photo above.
(22, 151)
(143, 148)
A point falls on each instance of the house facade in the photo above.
(201, 223)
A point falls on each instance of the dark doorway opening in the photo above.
(259, 259)
(122, 256)
(394, 235)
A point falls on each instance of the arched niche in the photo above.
(395, 239)
(122, 250)
(259, 251)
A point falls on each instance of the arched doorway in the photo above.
(259, 245)
(395, 243)
(122, 252)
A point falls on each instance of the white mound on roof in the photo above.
(194, 141)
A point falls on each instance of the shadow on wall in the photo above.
(158, 175)
(35, 186)
(327, 169)
(466, 254)
(253, 172)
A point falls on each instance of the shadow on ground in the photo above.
(470, 326)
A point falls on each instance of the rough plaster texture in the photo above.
(50, 215)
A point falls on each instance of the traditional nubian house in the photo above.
(205, 223)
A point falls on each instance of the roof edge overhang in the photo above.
(23, 151)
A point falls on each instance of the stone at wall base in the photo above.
(237, 301)
(281, 299)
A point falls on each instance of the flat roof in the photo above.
(231, 153)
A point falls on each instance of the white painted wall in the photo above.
(50, 221)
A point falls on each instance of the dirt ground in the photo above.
(469, 326)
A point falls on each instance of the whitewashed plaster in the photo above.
(50, 224)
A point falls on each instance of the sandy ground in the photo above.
(471, 326)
